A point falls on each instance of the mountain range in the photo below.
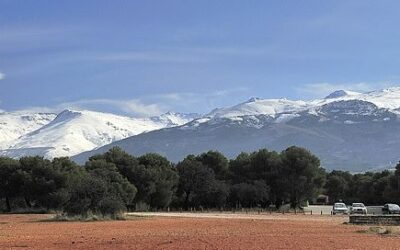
(72, 132)
(347, 130)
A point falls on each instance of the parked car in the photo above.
(339, 208)
(391, 209)
(358, 208)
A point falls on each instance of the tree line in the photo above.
(116, 181)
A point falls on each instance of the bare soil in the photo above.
(215, 231)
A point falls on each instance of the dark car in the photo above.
(391, 209)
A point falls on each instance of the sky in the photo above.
(143, 58)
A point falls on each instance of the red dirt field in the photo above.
(270, 232)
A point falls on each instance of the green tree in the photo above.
(101, 189)
(266, 166)
(336, 186)
(249, 194)
(239, 168)
(10, 180)
(217, 162)
(195, 181)
(41, 181)
(304, 177)
(118, 186)
(86, 195)
(154, 176)
(159, 178)
(261, 166)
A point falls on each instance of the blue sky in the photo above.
(147, 57)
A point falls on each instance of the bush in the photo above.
(110, 206)
(85, 196)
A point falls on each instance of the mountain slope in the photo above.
(15, 124)
(256, 106)
(347, 130)
(73, 132)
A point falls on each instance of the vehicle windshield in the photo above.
(339, 205)
(394, 207)
(358, 205)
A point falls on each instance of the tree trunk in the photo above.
(187, 200)
(8, 204)
(27, 201)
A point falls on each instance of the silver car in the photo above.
(358, 208)
(391, 209)
(339, 208)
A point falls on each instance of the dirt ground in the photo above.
(201, 232)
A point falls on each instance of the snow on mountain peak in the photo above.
(259, 107)
(67, 114)
(253, 99)
(15, 124)
(72, 132)
(341, 93)
(175, 119)
(391, 89)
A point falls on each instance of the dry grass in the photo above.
(87, 218)
(382, 230)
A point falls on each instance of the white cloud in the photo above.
(153, 105)
(199, 102)
(145, 56)
(137, 107)
(2, 76)
(318, 90)
(133, 107)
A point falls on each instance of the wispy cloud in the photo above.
(317, 90)
(23, 37)
(167, 55)
(134, 107)
(144, 56)
(200, 102)
(152, 105)
(2, 76)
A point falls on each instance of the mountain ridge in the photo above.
(72, 132)
(356, 131)
(346, 129)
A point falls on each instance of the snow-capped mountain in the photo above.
(257, 106)
(347, 130)
(72, 132)
(387, 98)
(342, 93)
(171, 119)
(15, 124)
